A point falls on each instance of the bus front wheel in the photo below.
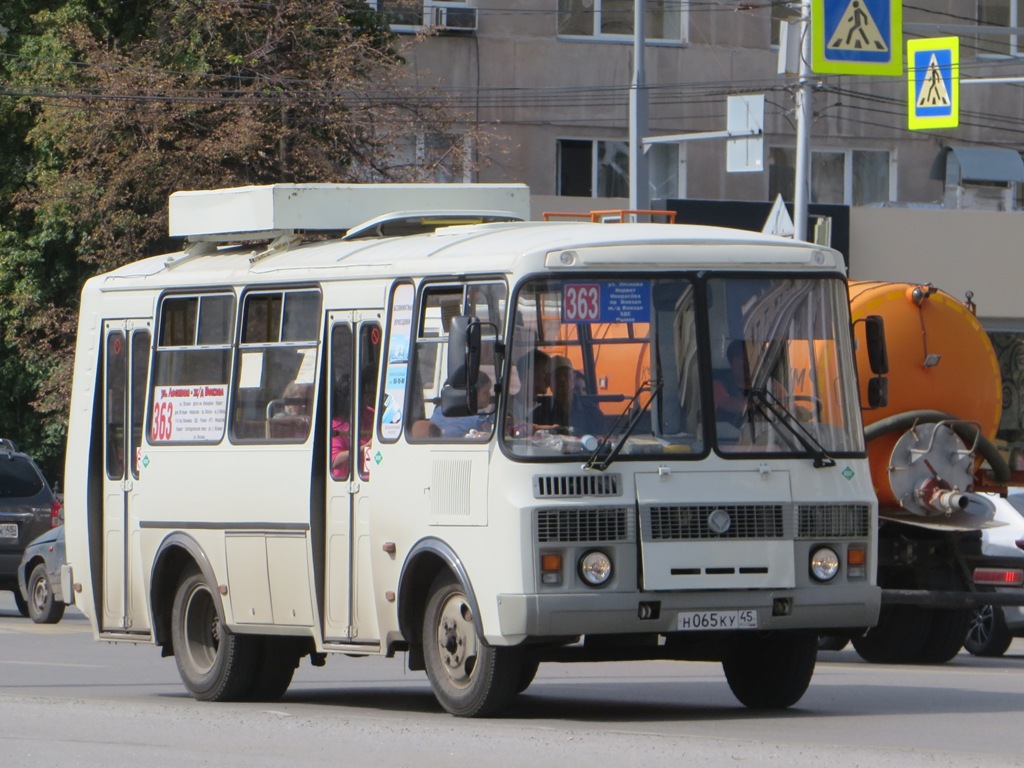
(214, 663)
(771, 671)
(469, 678)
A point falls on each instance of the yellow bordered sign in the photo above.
(933, 83)
(857, 37)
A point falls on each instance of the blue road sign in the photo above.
(933, 83)
(857, 37)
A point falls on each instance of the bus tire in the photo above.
(42, 607)
(277, 659)
(771, 671)
(215, 664)
(469, 678)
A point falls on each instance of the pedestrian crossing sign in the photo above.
(857, 37)
(933, 83)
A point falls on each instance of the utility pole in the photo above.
(639, 175)
(804, 114)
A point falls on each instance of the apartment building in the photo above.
(551, 79)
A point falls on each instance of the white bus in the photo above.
(482, 446)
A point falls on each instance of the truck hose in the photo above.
(906, 420)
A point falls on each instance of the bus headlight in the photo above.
(824, 564)
(595, 568)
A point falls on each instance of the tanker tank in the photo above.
(927, 444)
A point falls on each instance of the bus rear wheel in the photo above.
(214, 663)
(469, 678)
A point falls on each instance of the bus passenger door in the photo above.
(126, 372)
(353, 362)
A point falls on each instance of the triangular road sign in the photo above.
(857, 31)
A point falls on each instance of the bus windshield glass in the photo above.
(597, 363)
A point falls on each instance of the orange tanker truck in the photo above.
(931, 452)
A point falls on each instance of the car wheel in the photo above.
(987, 634)
(42, 607)
(20, 602)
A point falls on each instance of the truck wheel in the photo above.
(469, 678)
(771, 671)
(946, 636)
(988, 634)
(527, 673)
(833, 642)
(214, 663)
(898, 638)
(42, 608)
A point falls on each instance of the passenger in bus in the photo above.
(341, 429)
(292, 420)
(479, 423)
(730, 386)
(567, 406)
(533, 372)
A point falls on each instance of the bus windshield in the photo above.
(596, 361)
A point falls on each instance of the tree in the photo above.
(107, 107)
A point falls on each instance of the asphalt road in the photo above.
(66, 700)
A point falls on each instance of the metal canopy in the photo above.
(991, 164)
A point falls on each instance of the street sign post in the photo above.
(933, 83)
(857, 37)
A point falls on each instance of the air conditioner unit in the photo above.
(452, 17)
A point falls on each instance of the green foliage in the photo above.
(108, 106)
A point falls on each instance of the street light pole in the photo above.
(804, 114)
(639, 175)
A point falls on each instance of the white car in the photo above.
(993, 627)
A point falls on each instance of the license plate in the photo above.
(693, 621)
(8, 530)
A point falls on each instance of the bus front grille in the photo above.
(833, 521)
(571, 526)
(713, 521)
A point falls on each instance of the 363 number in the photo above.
(163, 421)
(581, 302)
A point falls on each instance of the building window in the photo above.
(589, 168)
(999, 13)
(411, 16)
(433, 157)
(838, 177)
(665, 19)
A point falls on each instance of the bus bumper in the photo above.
(561, 615)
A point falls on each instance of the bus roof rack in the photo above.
(417, 222)
(267, 212)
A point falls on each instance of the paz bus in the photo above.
(303, 435)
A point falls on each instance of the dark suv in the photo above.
(28, 508)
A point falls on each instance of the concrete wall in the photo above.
(957, 251)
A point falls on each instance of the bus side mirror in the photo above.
(878, 392)
(458, 396)
(878, 356)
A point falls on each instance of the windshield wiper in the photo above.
(631, 414)
(770, 406)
